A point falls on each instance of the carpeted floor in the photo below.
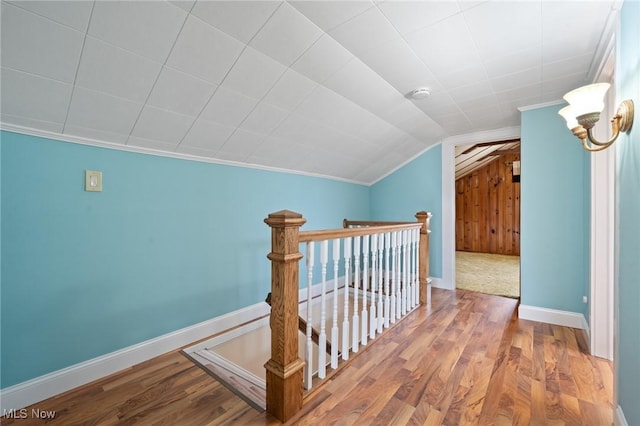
(488, 273)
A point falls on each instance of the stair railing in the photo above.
(384, 270)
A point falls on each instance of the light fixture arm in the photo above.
(621, 122)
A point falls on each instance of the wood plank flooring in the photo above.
(468, 360)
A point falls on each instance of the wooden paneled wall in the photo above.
(488, 209)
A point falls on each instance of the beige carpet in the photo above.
(488, 273)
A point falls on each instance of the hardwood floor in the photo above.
(469, 360)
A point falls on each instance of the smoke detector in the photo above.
(420, 93)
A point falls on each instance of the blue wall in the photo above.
(628, 208)
(554, 247)
(414, 187)
(167, 244)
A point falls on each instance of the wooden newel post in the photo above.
(423, 273)
(285, 368)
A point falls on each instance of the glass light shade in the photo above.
(569, 115)
(587, 99)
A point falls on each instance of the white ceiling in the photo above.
(313, 86)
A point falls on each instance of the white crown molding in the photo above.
(553, 316)
(619, 419)
(149, 151)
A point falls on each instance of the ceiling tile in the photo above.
(567, 66)
(205, 134)
(322, 59)
(253, 74)
(73, 14)
(518, 79)
(99, 111)
(30, 96)
(153, 40)
(329, 14)
(228, 107)
(574, 25)
(499, 28)
(410, 16)
(180, 92)
(475, 90)
(446, 46)
(204, 51)
(452, 79)
(511, 63)
(360, 84)
(239, 19)
(366, 31)
(264, 118)
(290, 90)
(115, 71)
(286, 35)
(563, 84)
(185, 5)
(240, 145)
(33, 123)
(398, 64)
(161, 125)
(52, 51)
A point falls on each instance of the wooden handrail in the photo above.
(330, 234)
(347, 223)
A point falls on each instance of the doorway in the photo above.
(487, 217)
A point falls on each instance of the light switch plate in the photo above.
(92, 181)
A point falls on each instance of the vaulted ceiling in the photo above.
(318, 87)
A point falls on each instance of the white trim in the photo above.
(618, 418)
(150, 151)
(437, 282)
(448, 279)
(602, 231)
(553, 316)
(48, 385)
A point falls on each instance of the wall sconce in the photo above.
(583, 112)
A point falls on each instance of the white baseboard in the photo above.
(618, 418)
(43, 387)
(553, 316)
(437, 282)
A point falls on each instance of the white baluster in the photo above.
(355, 321)
(380, 278)
(365, 284)
(405, 271)
(417, 272)
(394, 279)
(322, 339)
(347, 280)
(334, 328)
(416, 283)
(308, 377)
(398, 306)
(372, 308)
(387, 274)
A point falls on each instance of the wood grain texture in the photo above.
(488, 209)
(466, 360)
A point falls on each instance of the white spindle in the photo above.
(347, 280)
(405, 271)
(398, 306)
(334, 328)
(372, 308)
(394, 279)
(387, 300)
(380, 312)
(417, 271)
(322, 339)
(308, 377)
(365, 284)
(415, 235)
(355, 321)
